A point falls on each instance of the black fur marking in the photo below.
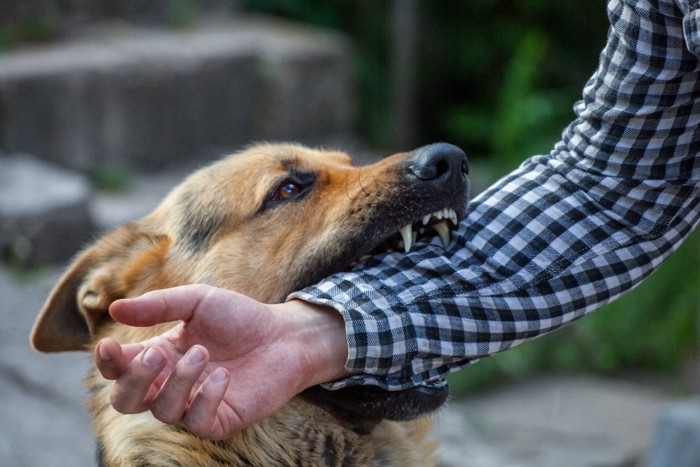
(330, 455)
(100, 454)
(200, 223)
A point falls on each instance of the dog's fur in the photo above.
(265, 222)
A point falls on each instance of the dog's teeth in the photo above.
(407, 235)
(426, 219)
(453, 217)
(443, 231)
(438, 215)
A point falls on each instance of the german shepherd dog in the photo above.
(265, 222)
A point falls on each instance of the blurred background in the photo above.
(105, 104)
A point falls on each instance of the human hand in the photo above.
(231, 361)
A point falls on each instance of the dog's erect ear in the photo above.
(79, 304)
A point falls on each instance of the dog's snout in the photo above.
(440, 162)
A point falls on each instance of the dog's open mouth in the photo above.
(438, 223)
(364, 406)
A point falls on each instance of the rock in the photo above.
(677, 438)
(45, 418)
(153, 98)
(44, 216)
(18, 14)
(574, 421)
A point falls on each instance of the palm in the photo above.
(250, 354)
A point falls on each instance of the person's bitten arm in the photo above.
(561, 236)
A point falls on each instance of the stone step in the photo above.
(677, 434)
(17, 14)
(44, 211)
(153, 97)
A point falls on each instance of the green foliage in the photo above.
(182, 14)
(496, 77)
(40, 28)
(319, 12)
(7, 40)
(114, 177)
(509, 72)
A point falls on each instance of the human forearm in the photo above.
(561, 236)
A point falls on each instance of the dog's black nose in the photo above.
(440, 163)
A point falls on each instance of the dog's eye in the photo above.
(286, 190)
(289, 189)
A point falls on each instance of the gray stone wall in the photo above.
(153, 97)
(66, 13)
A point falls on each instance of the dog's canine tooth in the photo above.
(407, 235)
(453, 217)
(443, 231)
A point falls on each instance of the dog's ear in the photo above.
(79, 304)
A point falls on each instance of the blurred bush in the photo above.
(496, 77)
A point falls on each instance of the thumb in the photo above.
(159, 306)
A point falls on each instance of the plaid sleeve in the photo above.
(561, 236)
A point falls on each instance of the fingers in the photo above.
(134, 388)
(160, 306)
(112, 359)
(201, 416)
(171, 401)
(109, 358)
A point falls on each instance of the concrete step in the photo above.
(18, 14)
(154, 97)
(554, 421)
(44, 211)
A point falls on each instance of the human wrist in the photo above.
(317, 335)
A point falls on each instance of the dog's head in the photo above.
(265, 222)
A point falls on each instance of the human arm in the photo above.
(558, 238)
(247, 343)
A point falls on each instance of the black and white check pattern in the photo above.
(561, 236)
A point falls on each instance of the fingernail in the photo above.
(195, 356)
(219, 375)
(104, 356)
(152, 357)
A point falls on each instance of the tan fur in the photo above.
(211, 229)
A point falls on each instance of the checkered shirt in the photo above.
(562, 235)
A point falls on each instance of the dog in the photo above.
(265, 222)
